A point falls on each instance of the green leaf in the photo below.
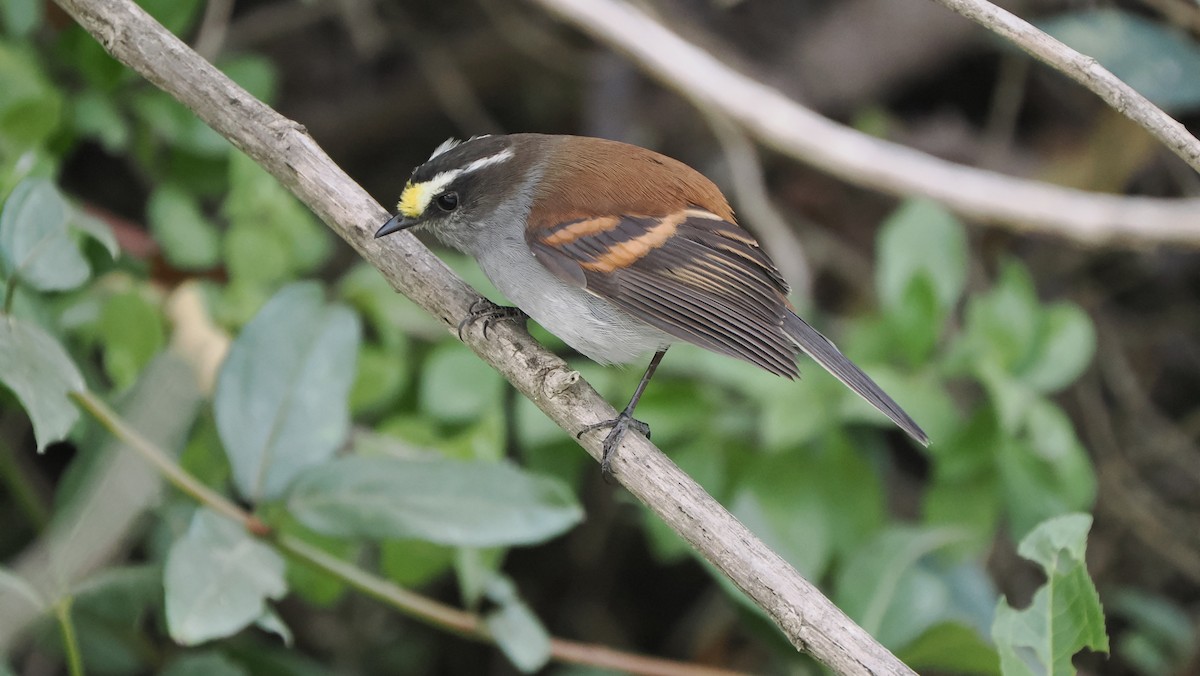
(281, 401)
(255, 255)
(110, 608)
(516, 629)
(13, 586)
(203, 663)
(175, 125)
(31, 108)
(315, 585)
(382, 376)
(884, 587)
(37, 369)
(256, 201)
(475, 567)
(475, 504)
(1066, 344)
(35, 241)
(921, 239)
(132, 331)
(218, 579)
(256, 74)
(20, 17)
(412, 563)
(1065, 615)
(1002, 324)
(176, 16)
(1045, 471)
(188, 239)
(456, 386)
(1157, 60)
(953, 648)
(95, 115)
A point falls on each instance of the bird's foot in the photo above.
(617, 427)
(490, 313)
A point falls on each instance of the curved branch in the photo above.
(792, 129)
(1086, 71)
(809, 620)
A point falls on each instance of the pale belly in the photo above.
(592, 326)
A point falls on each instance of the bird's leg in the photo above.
(624, 420)
(490, 313)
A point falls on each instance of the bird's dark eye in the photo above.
(447, 201)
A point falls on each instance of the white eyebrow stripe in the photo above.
(434, 185)
(502, 156)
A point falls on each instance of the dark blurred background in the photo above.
(380, 84)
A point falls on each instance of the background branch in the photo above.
(790, 128)
(1086, 71)
(808, 619)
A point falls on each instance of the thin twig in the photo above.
(807, 618)
(1086, 71)
(796, 131)
(410, 603)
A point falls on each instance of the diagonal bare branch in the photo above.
(809, 620)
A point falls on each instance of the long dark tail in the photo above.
(825, 353)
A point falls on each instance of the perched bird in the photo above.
(619, 251)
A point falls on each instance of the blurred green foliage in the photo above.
(805, 464)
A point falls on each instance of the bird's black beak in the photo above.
(396, 224)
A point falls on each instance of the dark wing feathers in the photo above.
(690, 274)
(702, 280)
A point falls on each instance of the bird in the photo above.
(620, 252)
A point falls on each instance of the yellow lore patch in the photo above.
(413, 200)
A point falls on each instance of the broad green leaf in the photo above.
(256, 200)
(14, 589)
(412, 563)
(35, 239)
(203, 663)
(1157, 60)
(952, 648)
(176, 16)
(475, 567)
(255, 255)
(37, 369)
(311, 583)
(175, 125)
(256, 74)
(218, 579)
(270, 622)
(1002, 324)
(109, 609)
(921, 239)
(188, 239)
(281, 401)
(516, 629)
(31, 108)
(390, 314)
(1065, 615)
(96, 229)
(1066, 343)
(132, 332)
(95, 115)
(382, 376)
(474, 504)
(884, 587)
(20, 17)
(1045, 471)
(456, 386)
(916, 324)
